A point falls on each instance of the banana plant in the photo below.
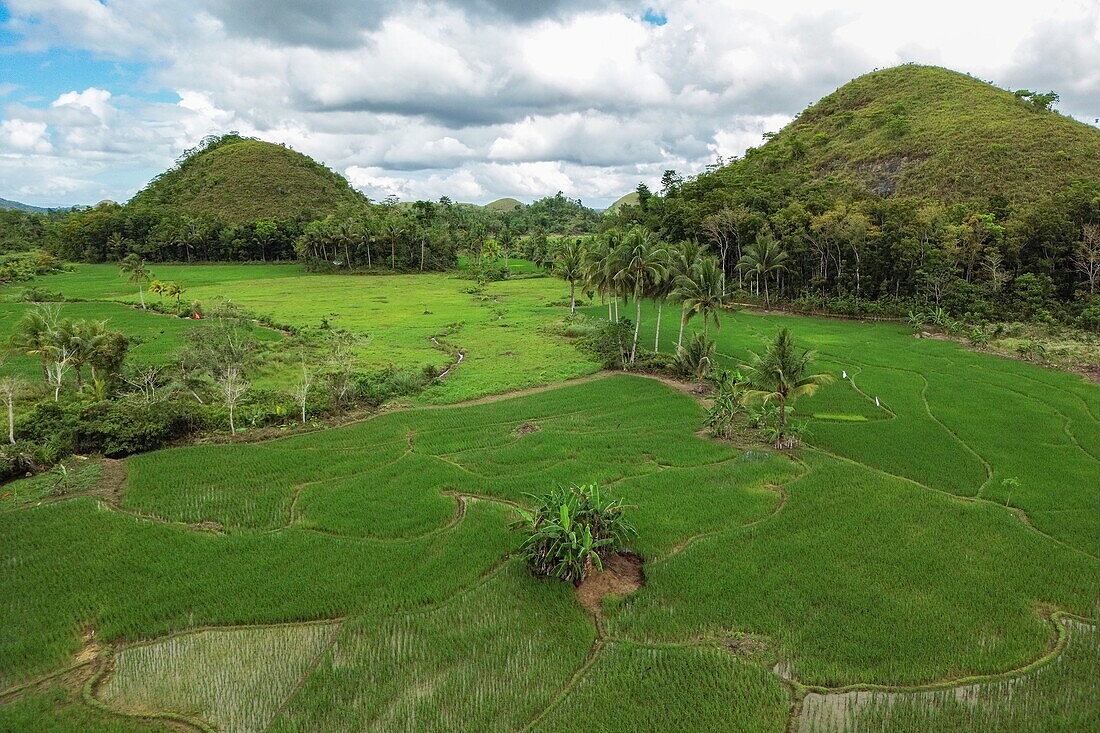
(570, 529)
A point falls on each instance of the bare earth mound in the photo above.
(621, 576)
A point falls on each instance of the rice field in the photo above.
(361, 578)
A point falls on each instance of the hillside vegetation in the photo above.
(504, 204)
(239, 180)
(629, 199)
(909, 189)
(927, 132)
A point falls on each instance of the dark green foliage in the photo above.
(609, 343)
(26, 265)
(570, 529)
(113, 428)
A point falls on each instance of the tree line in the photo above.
(827, 245)
(405, 237)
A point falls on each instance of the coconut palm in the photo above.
(781, 374)
(134, 267)
(661, 290)
(173, 290)
(700, 292)
(643, 261)
(33, 333)
(568, 264)
(763, 258)
(85, 340)
(682, 260)
(596, 273)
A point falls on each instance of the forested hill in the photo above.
(239, 180)
(906, 185)
(6, 204)
(927, 132)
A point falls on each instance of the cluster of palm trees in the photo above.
(637, 265)
(66, 346)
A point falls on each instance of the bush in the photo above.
(1089, 319)
(610, 343)
(17, 459)
(695, 359)
(571, 530)
(112, 428)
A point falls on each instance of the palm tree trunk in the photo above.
(141, 295)
(11, 420)
(232, 427)
(683, 321)
(422, 254)
(637, 326)
(767, 299)
(609, 310)
(657, 338)
(572, 297)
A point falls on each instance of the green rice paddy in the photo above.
(366, 569)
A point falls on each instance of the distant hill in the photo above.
(504, 204)
(242, 180)
(927, 132)
(6, 204)
(630, 199)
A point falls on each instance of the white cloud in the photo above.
(22, 135)
(478, 99)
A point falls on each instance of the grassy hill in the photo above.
(242, 180)
(927, 132)
(504, 204)
(630, 199)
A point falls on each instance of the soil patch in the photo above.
(111, 481)
(621, 575)
(745, 645)
(526, 429)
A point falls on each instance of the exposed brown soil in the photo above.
(1090, 372)
(111, 481)
(90, 649)
(526, 429)
(621, 575)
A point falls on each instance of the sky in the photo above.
(477, 99)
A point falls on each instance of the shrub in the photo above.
(722, 416)
(695, 359)
(570, 530)
(17, 459)
(610, 343)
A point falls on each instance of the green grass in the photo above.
(950, 419)
(508, 332)
(1060, 696)
(155, 338)
(887, 552)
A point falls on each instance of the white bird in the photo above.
(843, 373)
